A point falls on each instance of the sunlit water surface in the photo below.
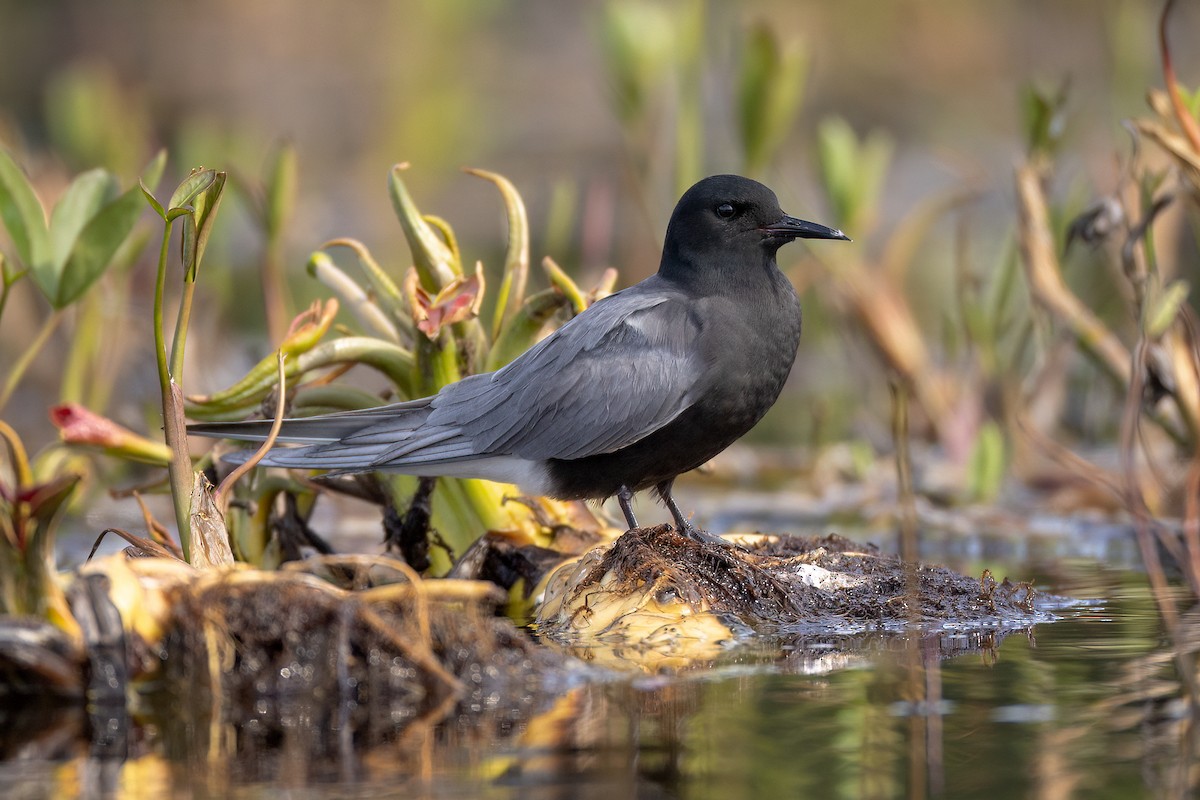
(1083, 706)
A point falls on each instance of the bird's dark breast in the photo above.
(742, 385)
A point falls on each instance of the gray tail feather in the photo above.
(320, 429)
(326, 437)
(286, 457)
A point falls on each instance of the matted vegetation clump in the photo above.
(367, 641)
(655, 585)
(407, 646)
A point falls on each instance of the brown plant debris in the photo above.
(654, 584)
(256, 643)
(358, 646)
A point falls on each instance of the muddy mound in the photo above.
(653, 584)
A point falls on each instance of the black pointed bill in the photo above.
(789, 228)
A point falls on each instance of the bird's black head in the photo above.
(729, 223)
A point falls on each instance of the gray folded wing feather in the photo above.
(591, 389)
(611, 376)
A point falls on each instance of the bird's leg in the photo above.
(625, 499)
(682, 524)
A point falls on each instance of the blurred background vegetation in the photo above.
(1001, 278)
(599, 112)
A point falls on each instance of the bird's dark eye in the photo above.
(725, 210)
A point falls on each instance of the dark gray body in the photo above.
(734, 388)
(646, 384)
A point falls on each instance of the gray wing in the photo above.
(609, 377)
(616, 373)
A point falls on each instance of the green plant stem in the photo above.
(6, 284)
(487, 500)
(181, 327)
(160, 342)
(179, 470)
(437, 362)
(82, 352)
(391, 360)
(276, 297)
(17, 456)
(26, 359)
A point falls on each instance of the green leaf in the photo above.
(520, 331)
(771, 88)
(562, 282)
(46, 506)
(852, 172)
(207, 203)
(442, 228)
(1191, 100)
(22, 212)
(335, 397)
(198, 226)
(187, 242)
(192, 185)
(638, 40)
(280, 189)
(151, 175)
(387, 295)
(434, 259)
(1162, 310)
(391, 360)
(1045, 118)
(85, 196)
(91, 119)
(96, 246)
(321, 267)
(87, 227)
(516, 255)
(157, 206)
(986, 467)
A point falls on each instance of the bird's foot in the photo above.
(682, 524)
(700, 535)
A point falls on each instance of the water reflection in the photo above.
(1088, 705)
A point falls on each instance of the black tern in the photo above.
(646, 384)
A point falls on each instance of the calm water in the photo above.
(1083, 707)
